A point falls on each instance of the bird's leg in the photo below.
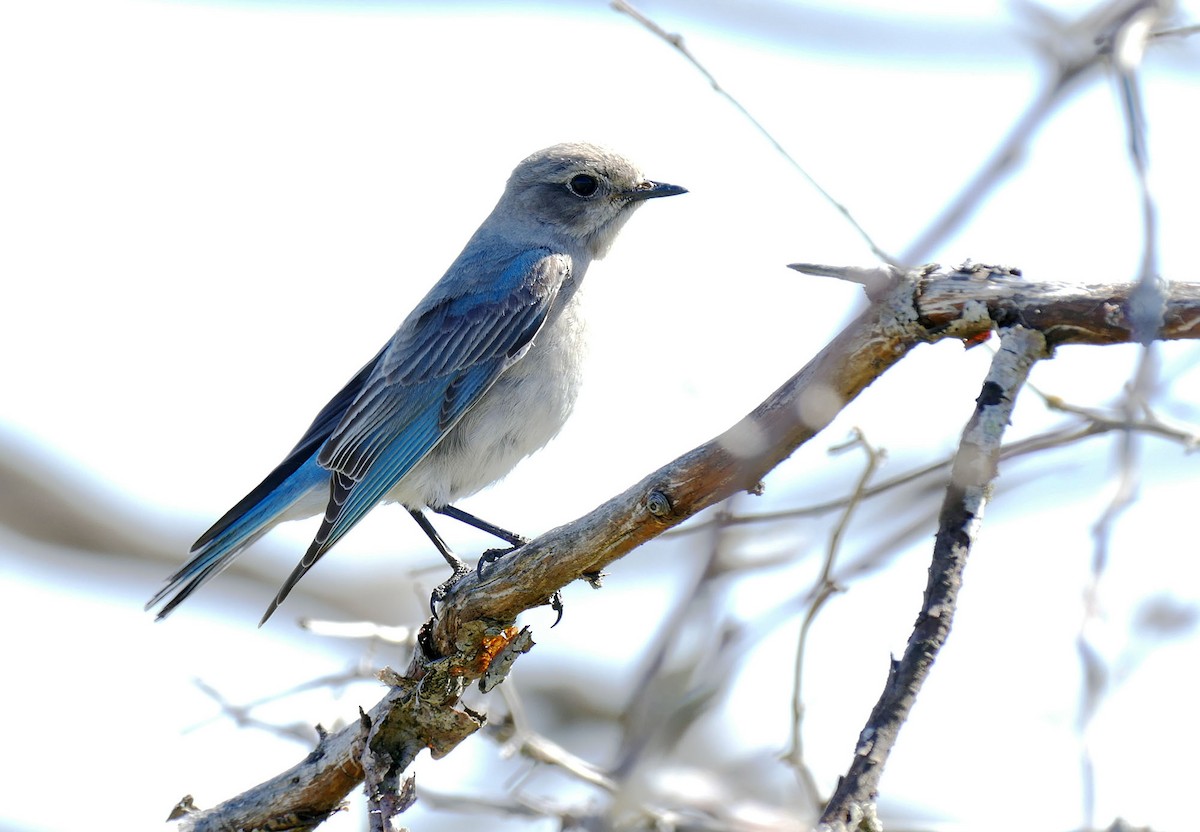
(491, 555)
(495, 531)
(454, 560)
(483, 525)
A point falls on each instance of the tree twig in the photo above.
(1096, 423)
(825, 589)
(961, 516)
(676, 41)
(1073, 53)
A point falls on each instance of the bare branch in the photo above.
(875, 280)
(1098, 423)
(1128, 48)
(422, 709)
(1177, 32)
(961, 517)
(520, 739)
(406, 636)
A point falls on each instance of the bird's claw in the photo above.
(443, 589)
(491, 556)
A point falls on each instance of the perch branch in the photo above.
(422, 709)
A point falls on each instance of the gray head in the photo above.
(584, 191)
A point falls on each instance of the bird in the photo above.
(482, 372)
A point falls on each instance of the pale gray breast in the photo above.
(523, 410)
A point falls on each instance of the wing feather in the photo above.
(445, 356)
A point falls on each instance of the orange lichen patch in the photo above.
(490, 646)
(977, 339)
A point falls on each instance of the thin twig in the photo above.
(1092, 665)
(1147, 302)
(518, 737)
(1094, 672)
(1129, 46)
(824, 589)
(399, 635)
(1097, 423)
(1073, 52)
(646, 698)
(241, 715)
(676, 41)
(1177, 32)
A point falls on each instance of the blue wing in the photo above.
(442, 360)
(445, 355)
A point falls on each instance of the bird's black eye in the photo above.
(582, 184)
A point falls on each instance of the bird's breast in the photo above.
(522, 411)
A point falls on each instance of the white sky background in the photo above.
(212, 214)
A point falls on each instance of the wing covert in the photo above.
(454, 336)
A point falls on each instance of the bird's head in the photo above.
(582, 191)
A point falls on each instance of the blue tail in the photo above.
(256, 514)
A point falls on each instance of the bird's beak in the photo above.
(650, 189)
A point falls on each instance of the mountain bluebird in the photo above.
(483, 372)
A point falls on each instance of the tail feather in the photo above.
(247, 522)
(314, 553)
(340, 488)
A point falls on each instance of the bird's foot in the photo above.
(461, 570)
(491, 556)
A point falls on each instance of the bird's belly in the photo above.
(519, 414)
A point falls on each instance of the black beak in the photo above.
(650, 189)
